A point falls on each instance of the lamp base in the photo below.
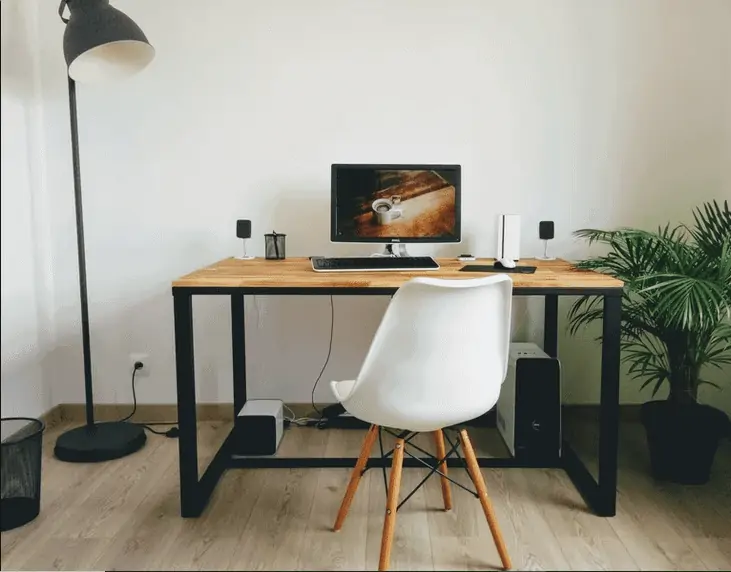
(99, 442)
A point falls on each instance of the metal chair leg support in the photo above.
(435, 470)
(454, 449)
(427, 453)
(383, 469)
(407, 436)
(387, 455)
(456, 444)
(421, 484)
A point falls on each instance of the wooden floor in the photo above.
(124, 515)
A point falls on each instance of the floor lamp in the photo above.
(100, 44)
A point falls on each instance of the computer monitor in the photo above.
(395, 203)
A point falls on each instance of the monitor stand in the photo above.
(400, 250)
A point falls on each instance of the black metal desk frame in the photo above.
(196, 491)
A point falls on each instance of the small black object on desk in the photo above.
(495, 268)
(274, 246)
(243, 231)
(546, 232)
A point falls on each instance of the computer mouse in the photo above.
(505, 263)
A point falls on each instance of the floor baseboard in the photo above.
(146, 412)
(168, 412)
(53, 417)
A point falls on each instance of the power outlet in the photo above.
(145, 359)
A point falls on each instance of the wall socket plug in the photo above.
(145, 359)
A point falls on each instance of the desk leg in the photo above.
(602, 496)
(550, 325)
(188, 438)
(238, 350)
(609, 412)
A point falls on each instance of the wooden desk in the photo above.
(238, 278)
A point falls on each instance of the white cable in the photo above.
(301, 421)
(294, 417)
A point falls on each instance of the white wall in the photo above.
(25, 322)
(588, 113)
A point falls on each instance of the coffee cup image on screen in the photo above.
(385, 211)
(396, 203)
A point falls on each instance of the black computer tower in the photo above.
(529, 408)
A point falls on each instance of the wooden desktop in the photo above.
(297, 273)
(294, 276)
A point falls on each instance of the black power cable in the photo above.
(327, 359)
(172, 433)
(138, 365)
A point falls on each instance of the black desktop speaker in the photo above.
(546, 233)
(243, 228)
(545, 230)
(243, 231)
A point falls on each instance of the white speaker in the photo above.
(508, 237)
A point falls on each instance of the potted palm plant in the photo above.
(676, 326)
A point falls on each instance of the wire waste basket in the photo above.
(20, 471)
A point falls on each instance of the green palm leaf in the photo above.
(676, 305)
(687, 302)
(712, 227)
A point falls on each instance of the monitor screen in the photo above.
(395, 203)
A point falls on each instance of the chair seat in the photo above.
(342, 389)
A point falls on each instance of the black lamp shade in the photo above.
(101, 43)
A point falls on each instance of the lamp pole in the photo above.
(81, 248)
(91, 27)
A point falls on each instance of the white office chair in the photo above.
(438, 359)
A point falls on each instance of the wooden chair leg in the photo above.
(441, 452)
(365, 452)
(476, 476)
(389, 521)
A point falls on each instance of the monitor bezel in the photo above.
(454, 239)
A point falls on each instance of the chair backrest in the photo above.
(439, 356)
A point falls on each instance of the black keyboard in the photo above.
(374, 264)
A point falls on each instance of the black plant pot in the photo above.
(683, 440)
